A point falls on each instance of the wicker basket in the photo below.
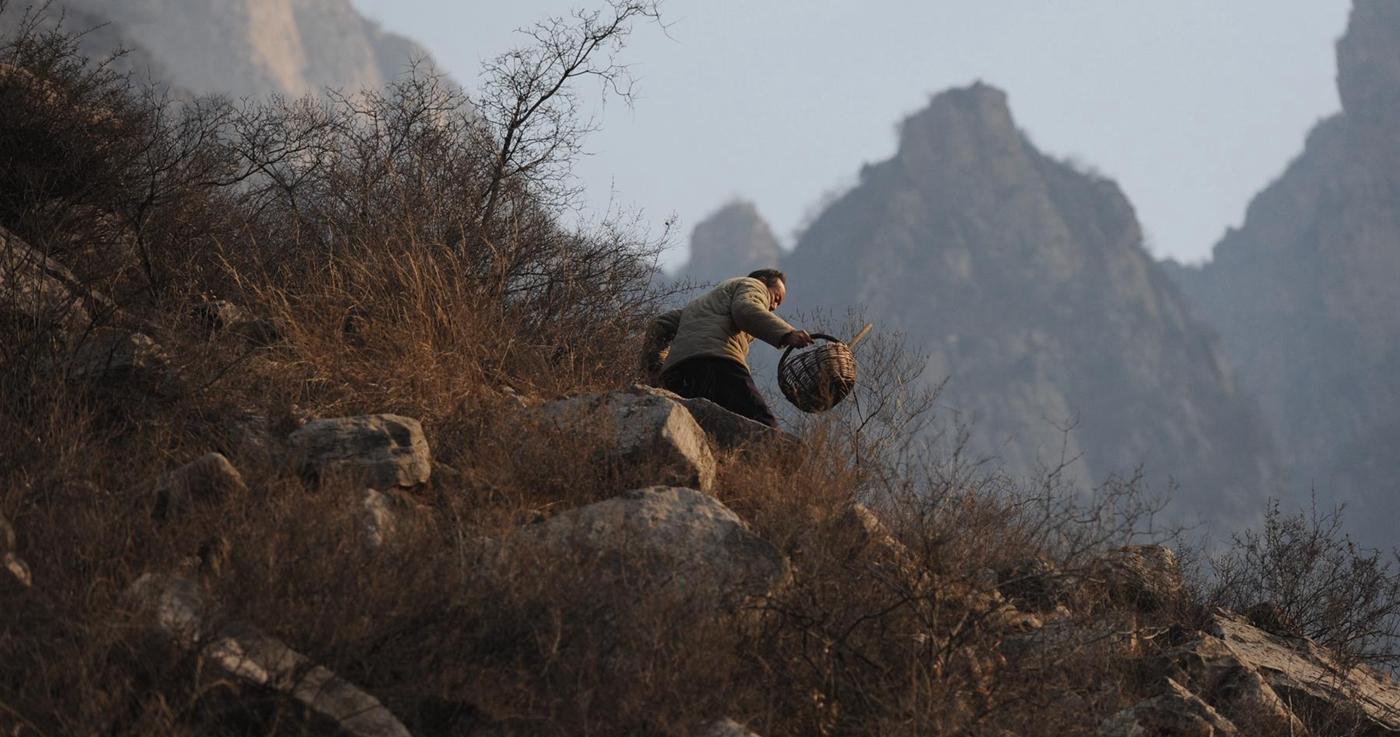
(818, 379)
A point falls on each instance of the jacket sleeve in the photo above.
(660, 332)
(750, 312)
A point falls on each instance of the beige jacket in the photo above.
(719, 324)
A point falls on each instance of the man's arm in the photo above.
(660, 332)
(751, 314)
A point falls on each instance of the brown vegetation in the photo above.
(398, 261)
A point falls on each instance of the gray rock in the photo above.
(864, 538)
(249, 655)
(661, 540)
(179, 609)
(1299, 669)
(209, 478)
(388, 516)
(1176, 713)
(651, 439)
(727, 431)
(174, 605)
(1238, 691)
(381, 451)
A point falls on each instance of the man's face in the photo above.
(779, 292)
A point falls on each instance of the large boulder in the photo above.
(660, 541)
(646, 438)
(178, 609)
(209, 478)
(380, 451)
(727, 431)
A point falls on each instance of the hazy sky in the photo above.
(1192, 105)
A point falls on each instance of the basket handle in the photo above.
(821, 336)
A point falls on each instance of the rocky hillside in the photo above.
(1026, 282)
(1306, 294)
(248, 48)
(733, 241)
(338, 449)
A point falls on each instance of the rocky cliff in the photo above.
(1026, 282)
(733, 241)
(249, 47)
(1306, 293)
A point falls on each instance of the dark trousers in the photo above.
(724, 382)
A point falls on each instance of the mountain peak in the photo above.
(1368, 62)
(958, 122)
(731, 242)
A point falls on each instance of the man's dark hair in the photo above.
(769, 276)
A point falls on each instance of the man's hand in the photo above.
(797, 339)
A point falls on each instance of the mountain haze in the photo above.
(249, 48)
(1026, 282)
(1306, 293)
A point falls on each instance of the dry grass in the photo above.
(355, 228)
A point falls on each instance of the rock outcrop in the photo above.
(178, 609)
(733, 241)
(1026, 283)
(250, 48)
(1306, 293)
(209, 478)
(381, 451)
(1299, 669)
(663, 542)
(645, 438)
(1176, 713)
(727, 431)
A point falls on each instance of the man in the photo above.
(709, 341)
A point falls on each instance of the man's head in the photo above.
(776, 283)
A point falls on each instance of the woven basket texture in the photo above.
(817, 379)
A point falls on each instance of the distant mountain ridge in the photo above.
(735, 240)
(1026, 282)
(1306, 293)
(250, 48)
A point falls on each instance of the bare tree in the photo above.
(529, 104)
